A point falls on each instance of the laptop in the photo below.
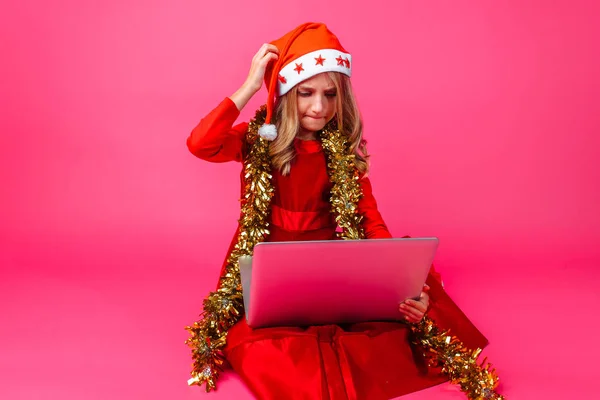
(333, 281)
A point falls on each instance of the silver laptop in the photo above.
(333, 281)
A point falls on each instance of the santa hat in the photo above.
(306, 51)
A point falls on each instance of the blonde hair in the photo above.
(348, 120)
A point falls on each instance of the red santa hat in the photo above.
(306, 51)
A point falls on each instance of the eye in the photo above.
(304, 94)
(331, 94)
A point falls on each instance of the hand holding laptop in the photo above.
(414, 310)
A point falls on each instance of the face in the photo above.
(316, 103)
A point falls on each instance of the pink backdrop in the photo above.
(483, 119)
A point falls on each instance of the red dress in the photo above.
(371, 361)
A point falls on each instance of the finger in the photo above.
(411, 317)
(424, 299)
(412, 311)
(410, 320)
(268, 57)
(265, 49)
(420, 306)
(415, 312)
(412, 314)
(260, 52)
(266, 60)
(407, 316)
(272, 48)
(413, 320)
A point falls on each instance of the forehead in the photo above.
(320, 81)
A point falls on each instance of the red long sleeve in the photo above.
(375, 227)
(215, 139)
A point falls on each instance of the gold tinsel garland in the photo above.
(223, 308)
(345, 191)
(476, 380)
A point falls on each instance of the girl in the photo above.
(294, 188)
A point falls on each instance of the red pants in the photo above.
(351, 362)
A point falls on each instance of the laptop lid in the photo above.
(333, 281)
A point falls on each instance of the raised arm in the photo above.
(215, 138)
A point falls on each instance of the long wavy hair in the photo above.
(347, 116)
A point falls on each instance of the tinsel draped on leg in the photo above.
(223, 308)
(460, 364)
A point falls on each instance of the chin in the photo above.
(314, 126)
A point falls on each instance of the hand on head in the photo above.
(260, 61)
(266, 54)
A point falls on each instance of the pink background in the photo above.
(482, 116)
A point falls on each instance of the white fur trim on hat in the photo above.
(311, 64)
(268, 131)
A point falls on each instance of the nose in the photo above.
(318, 104)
